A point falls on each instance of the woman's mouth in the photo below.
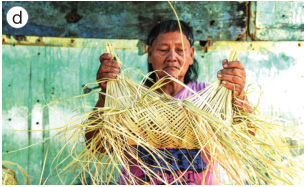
(171, 67)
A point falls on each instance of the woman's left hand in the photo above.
(233, 76)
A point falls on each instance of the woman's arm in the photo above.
(90, 134)
(233, 77)
(242, 103)
(108, 69)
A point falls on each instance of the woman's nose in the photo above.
(171, 56)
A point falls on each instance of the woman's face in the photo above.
(166, 53)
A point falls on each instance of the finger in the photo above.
(234, 87)
(225, 61)
(105, 56)
(233, 71)
(111, 63)
(106, 76)
(108, 69)
(233, 64)
(231, 78)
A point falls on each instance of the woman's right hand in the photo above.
(108, 70)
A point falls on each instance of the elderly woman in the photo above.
(165, 53)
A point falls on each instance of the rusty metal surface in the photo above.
(217, 21)
(128, 20)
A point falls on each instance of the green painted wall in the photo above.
(38, 70)
(36, 75)
(277, 21)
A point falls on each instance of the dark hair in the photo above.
(172, 26)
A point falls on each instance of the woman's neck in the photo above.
(172, 88)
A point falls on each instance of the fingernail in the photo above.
(219, 75)
(223, 82)
(225, 65)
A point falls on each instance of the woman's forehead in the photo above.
(166, 38)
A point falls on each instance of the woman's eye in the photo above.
(179, 50)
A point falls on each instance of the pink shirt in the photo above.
(195, 174)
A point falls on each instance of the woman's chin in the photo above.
(174, 75)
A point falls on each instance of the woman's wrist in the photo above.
(101, 100)
(102, 97)
(242, 102)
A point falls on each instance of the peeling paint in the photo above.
(128, 20)
(278, 66)
(279, 21)
(59, 65)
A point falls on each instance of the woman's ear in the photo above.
(192, 55)
(149, 50)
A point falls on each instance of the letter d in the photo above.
(20, 18)
(17, 17)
